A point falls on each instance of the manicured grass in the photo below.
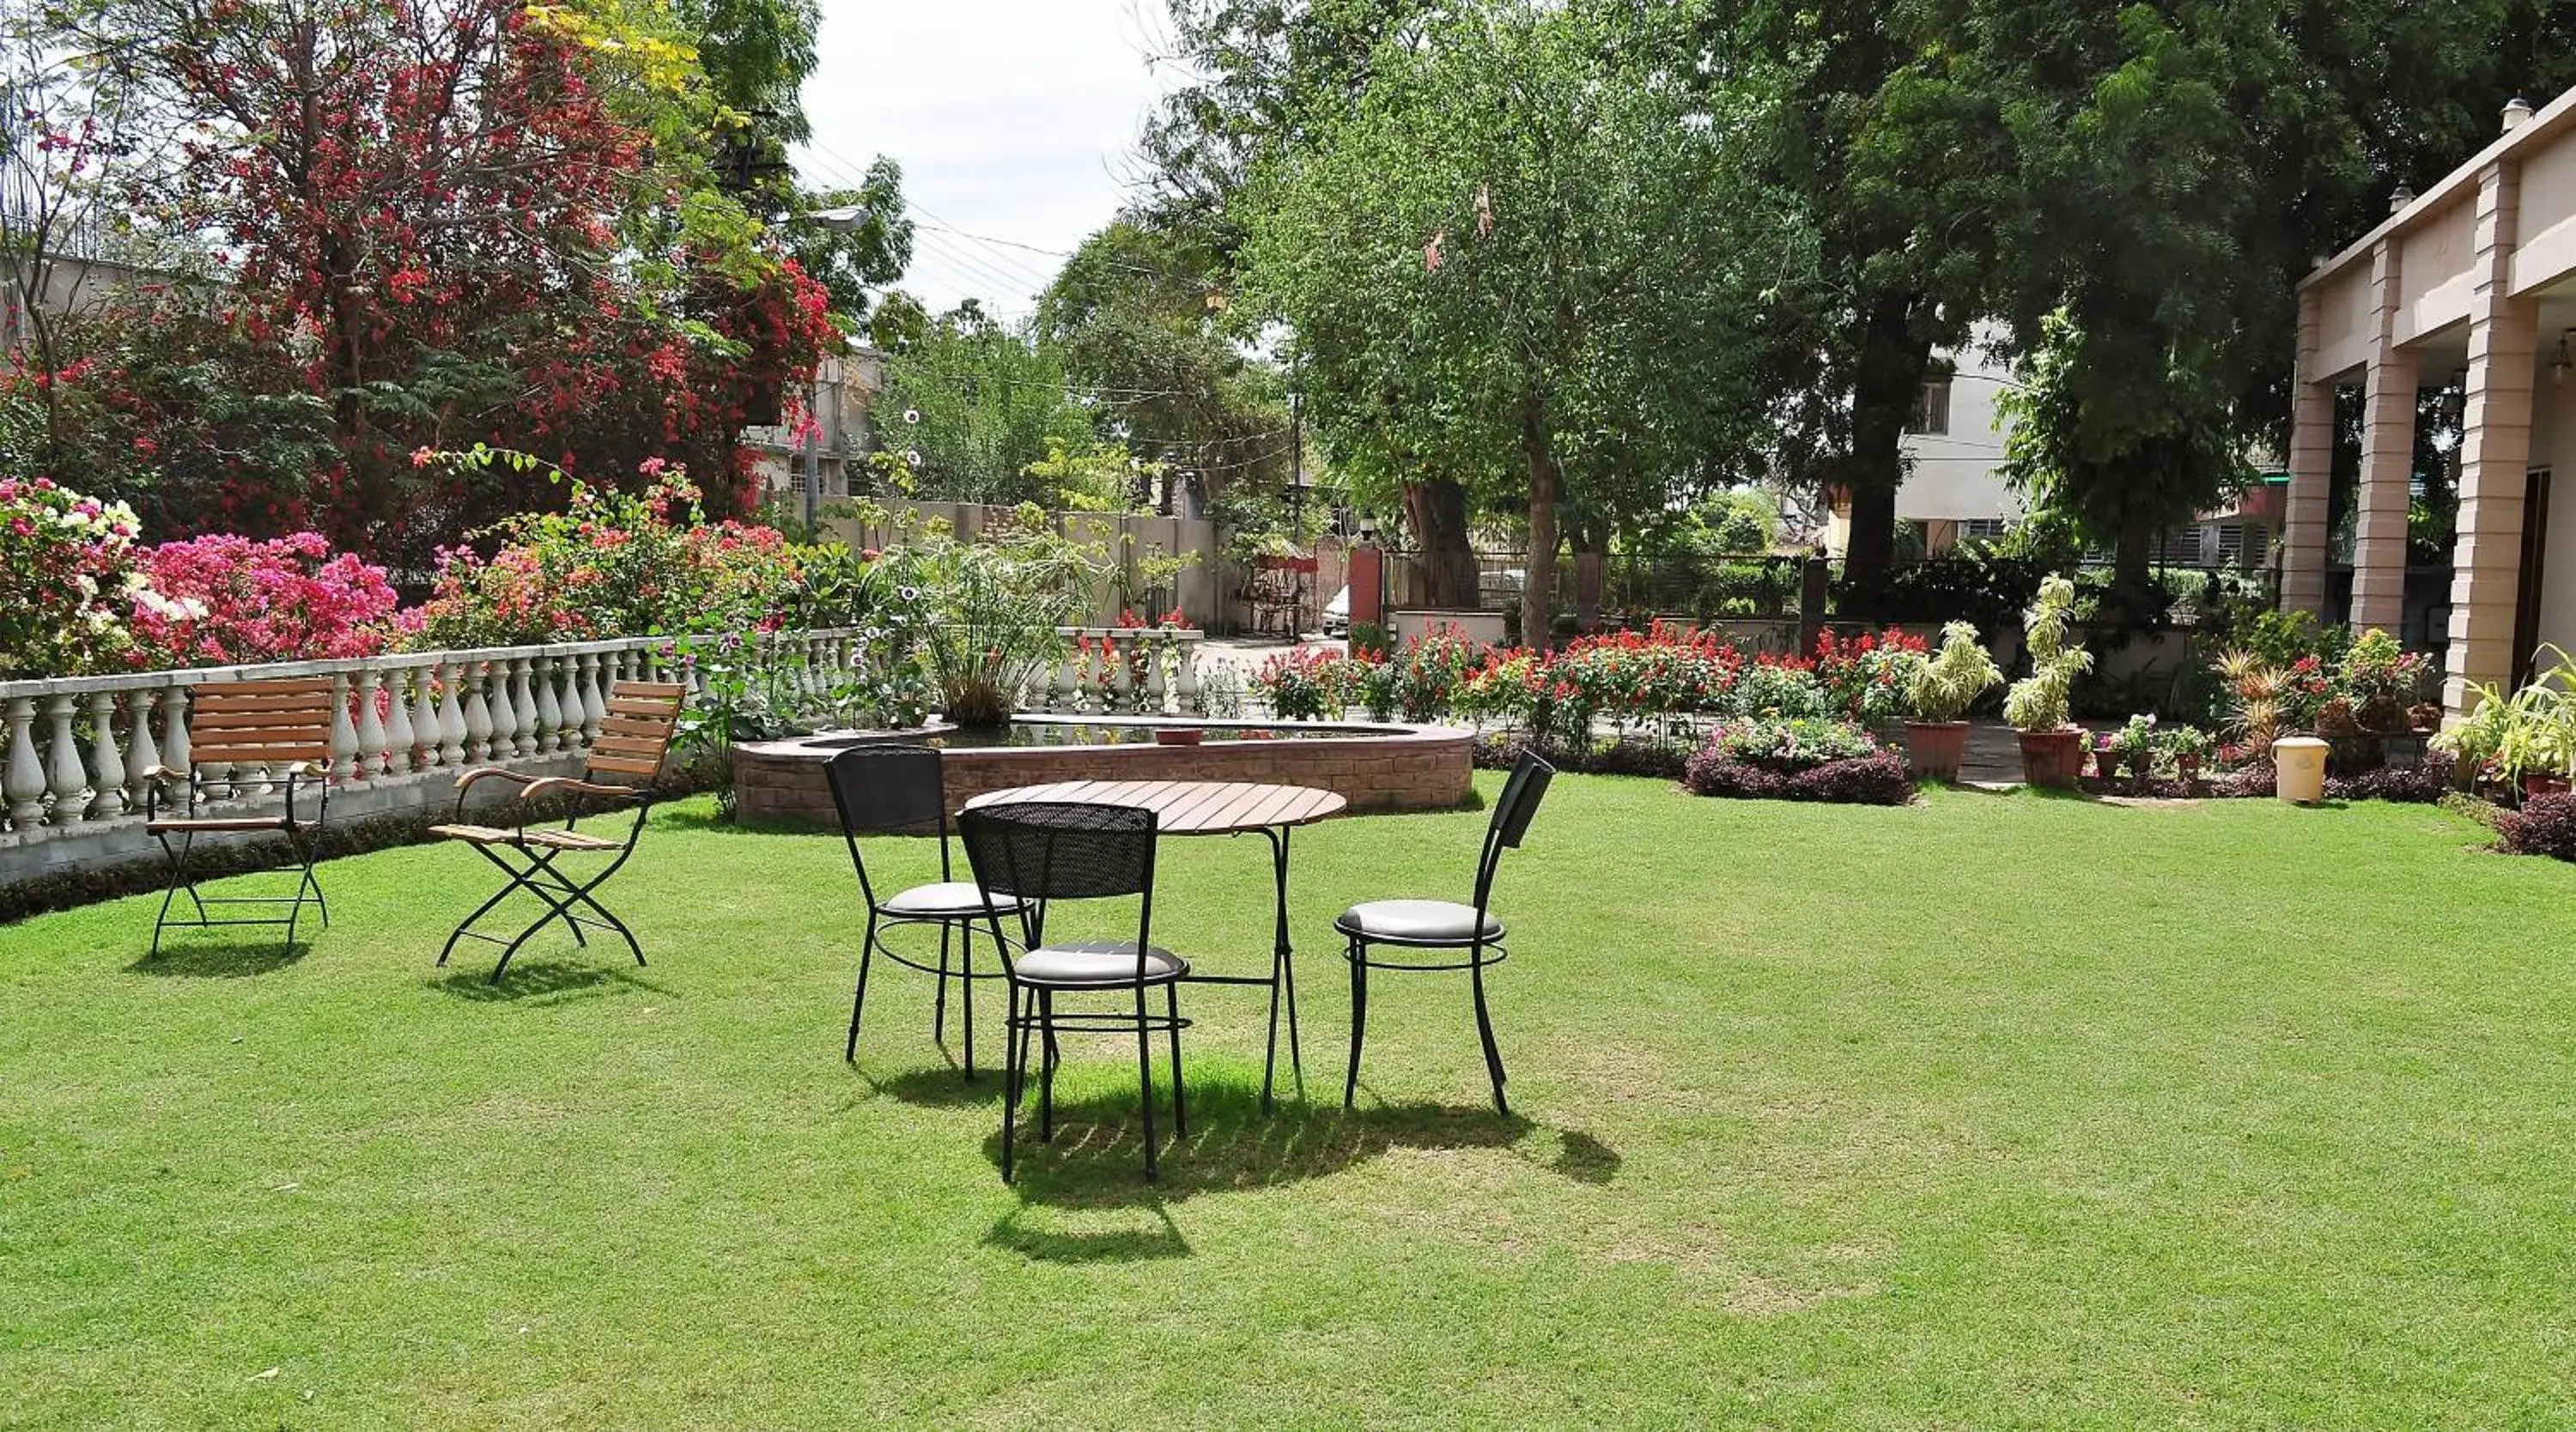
(1995, 1111)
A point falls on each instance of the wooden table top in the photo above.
(1190, 807)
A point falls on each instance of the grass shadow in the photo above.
(1117, 1242)
(945, 1085)
(550, 980)
(194, 960)
(1097, 1157)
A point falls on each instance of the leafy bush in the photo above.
(1793, 744)
(2546, 825)
(67, 575)
(2038, 702)
(224, 599)
(1865, 678)
(1869, 780)
(612, 565)
(1307, 684)
(993, 606)
(1943, 686)
(2425, 783)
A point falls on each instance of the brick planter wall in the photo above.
(1407, 768)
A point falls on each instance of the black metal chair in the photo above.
(1445, 925)
(1040, 852)
(251, 737)
(900, 789)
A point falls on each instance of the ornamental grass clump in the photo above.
(994, 607)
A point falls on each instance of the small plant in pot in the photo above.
(2189, 748)
(2052, 747)
(1938, 692)
(2134, 746)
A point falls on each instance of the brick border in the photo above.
(1395, 767)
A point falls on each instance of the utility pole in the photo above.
(813, 483)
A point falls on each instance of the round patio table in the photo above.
(1218, 808)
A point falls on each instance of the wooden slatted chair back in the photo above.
(642, 717)
(260, 723)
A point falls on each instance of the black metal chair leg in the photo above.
(1288, 978)
(1485, 1031)
(1180, 1114)
(859, 997)
(1046, 1067)
(968, 994)
(1145, 1080)
(178, 879)
(1359, 1019)
(1014, 1069)
(467, 924)
(939, 1002)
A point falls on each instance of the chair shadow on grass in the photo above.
(1097, 1158)
(205, 958)
(547, 980)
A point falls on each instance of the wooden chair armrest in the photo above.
(469, 777)
(550, 784)
(163, 773)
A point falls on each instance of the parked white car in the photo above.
(1337, 613)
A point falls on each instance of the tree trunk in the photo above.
(2131, 574)
(1887, 386)
(1538, 584)
(1445, 561)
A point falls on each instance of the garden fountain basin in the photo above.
(1375, 766)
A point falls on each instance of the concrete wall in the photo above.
(1954, 475)
(2553, 446)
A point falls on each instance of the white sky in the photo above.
(1013, 120)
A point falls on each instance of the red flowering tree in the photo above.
(224, 599)
(459, 223)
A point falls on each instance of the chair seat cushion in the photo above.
(538, 839)
(1096, 964)
(945, 897)
(1428, 922)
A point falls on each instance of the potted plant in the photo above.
(2052, 747)
(1939, 690)
(2134, 746)
(2189, 748)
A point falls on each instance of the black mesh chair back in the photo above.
(1043, 851)
(889, 789)
(1522, 792)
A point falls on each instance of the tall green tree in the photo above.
(1524, 262)
(969, 406)
(1137, 314)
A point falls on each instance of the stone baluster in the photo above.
(593, 709)
(482, 694)
(371, 735)
(143, 753)
(398, 729)
(568, 736)
(452, 676)
(174, 731)
(66, 777)
(22, 780)
(1189, 672)
(424, 718)
(344, 734)
(549, 708)
(107, 787)
(523, 706)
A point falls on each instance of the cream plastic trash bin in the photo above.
(2300, 764)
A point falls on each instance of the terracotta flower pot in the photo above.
(2536, 784)
(1178, 735)
(2053, 758)
(1935, 748)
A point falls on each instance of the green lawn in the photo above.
(1996, 1111)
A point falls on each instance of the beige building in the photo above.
(2470, 284)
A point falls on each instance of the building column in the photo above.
(2387, 457)
(2495, 451)
(2303, 519)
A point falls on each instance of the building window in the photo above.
(1931, 409)
(2242, 544)
(1981, 529)
(2183, 546)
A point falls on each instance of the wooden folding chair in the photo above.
(247, 738)
(642, 715)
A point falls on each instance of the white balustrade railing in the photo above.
(74, 751)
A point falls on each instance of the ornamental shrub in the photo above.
(2546, 825)
(1870, 780)
(611, 565)
(2424, 783)
(1794, 744)
(221, 600)
(67, 575)
(1865, 677)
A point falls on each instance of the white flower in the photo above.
(136, 584)
(86, 584)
